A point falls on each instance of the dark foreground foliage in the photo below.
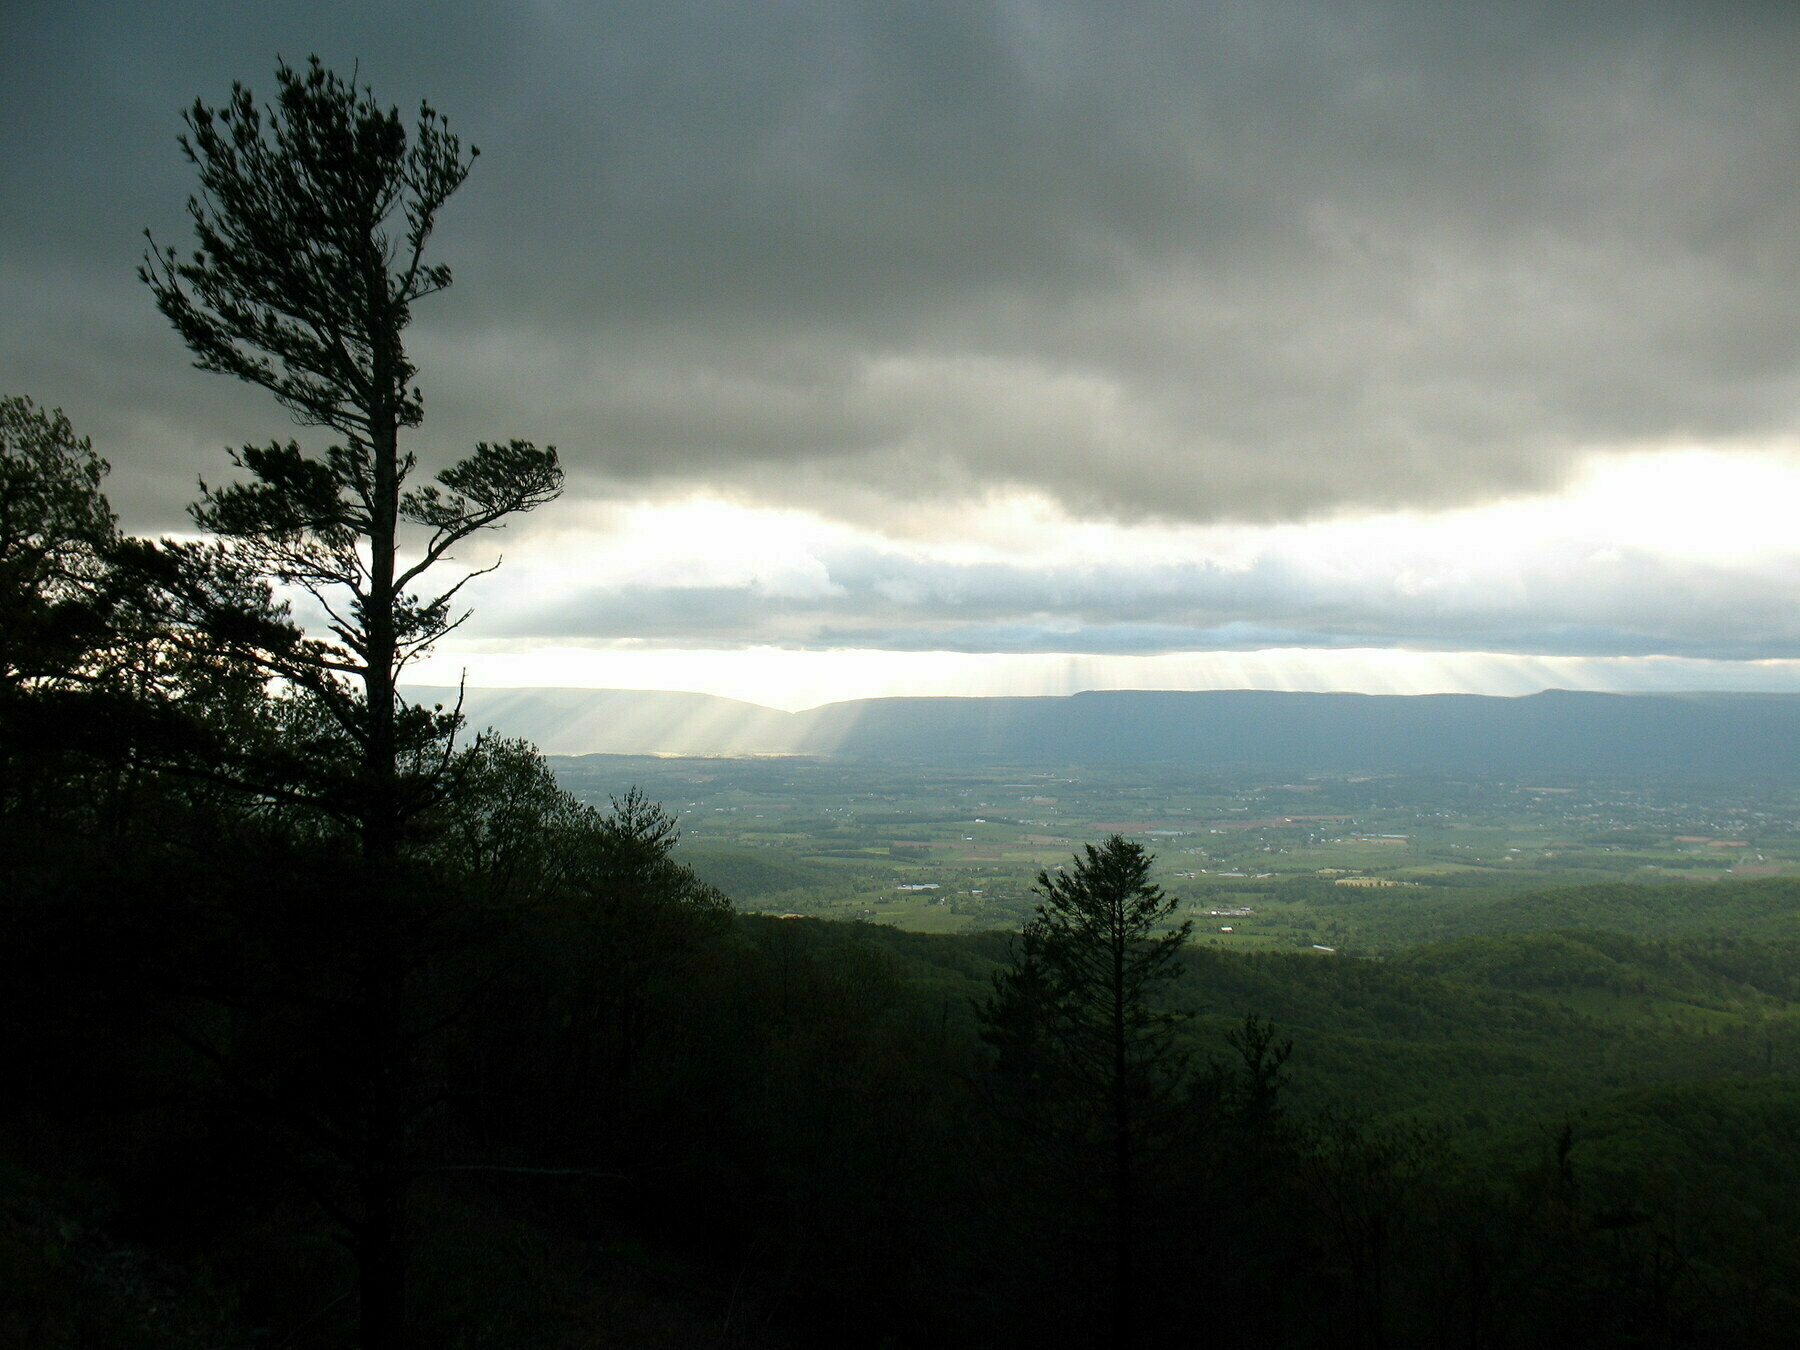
(655, 1123)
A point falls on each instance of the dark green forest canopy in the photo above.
(815, 1072)
(1767, 908)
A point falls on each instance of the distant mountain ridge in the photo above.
(1673, 735)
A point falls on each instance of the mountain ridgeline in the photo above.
(1688, 735)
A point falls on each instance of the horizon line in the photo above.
(1076, 693)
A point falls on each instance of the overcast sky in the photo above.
(988, 347)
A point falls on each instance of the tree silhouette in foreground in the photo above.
(55, 529)
(1081, 1049)
(312, 225)
(298, 287)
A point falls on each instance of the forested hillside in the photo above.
(1752, 909)
(686, 1127)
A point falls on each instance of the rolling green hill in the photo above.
(1720, 973)
(1471, 1034)
(748, 874)
(1766, 908)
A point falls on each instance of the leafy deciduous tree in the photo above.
(55, 528)
(88, 664)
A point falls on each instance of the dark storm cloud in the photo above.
(1198, 261)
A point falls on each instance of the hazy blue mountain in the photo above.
(1676, 735)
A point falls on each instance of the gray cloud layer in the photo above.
(1203, 261)
(1564, 603)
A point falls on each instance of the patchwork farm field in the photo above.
(1352, 863)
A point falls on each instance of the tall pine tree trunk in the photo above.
(1123, 1182)
(382, 1253)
